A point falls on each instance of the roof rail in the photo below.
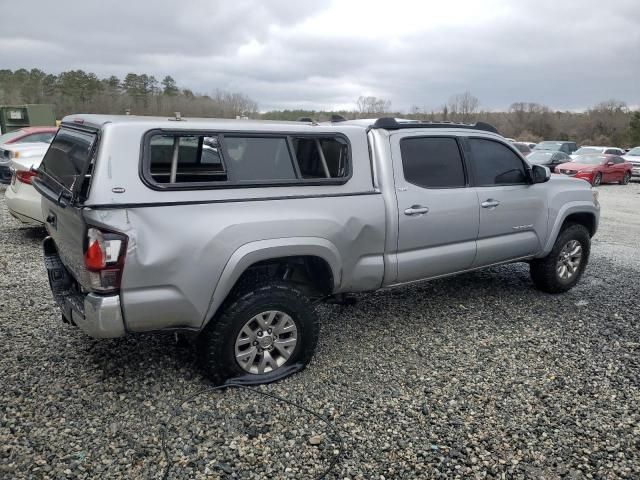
(337, 118)
(390, 123)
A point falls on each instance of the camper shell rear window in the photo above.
(194, 160)
(68, 161)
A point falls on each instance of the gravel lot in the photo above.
(479, 376)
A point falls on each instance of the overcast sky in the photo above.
(324, 54)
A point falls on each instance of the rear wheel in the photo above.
(562, 268)
(625, 179)
(597, 180)
(259, 334)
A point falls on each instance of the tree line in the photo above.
(610, 122)
(77, 91)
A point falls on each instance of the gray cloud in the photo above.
(289, 54)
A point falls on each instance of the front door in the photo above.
(513, 212)
(438, 211)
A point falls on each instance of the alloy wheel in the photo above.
(265, 342)
(569, 260)
(597, 180)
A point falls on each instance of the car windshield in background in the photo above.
(548, 146)
(7, 137)
(522, 147)
(634, 152)
(68, 156)
(587, 151)
(540, 157)
(590, 159)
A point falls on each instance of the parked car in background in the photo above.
(523, 148)
(21, 198)
(548, 158)
(12, 151)
(557, 146)
(597, 169)
(28, 134)
(595, 150)
(529, 144)
(633, 157)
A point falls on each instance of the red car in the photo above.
(29, 134)
(597, 169)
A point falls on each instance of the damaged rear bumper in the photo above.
(99, 316)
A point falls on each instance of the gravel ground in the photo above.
(477, 376)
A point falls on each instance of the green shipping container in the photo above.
(14, 117)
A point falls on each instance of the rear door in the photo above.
(62, 181)
(513, 212)
(619, 167)
(438, 212)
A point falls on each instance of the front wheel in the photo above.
(562, 268)
(597, 179)
(625, 178)
(259, 334)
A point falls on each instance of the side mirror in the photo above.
(609, 164)
(540, 174)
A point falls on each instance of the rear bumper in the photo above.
(99, 316)
(24, 204)
(635, 171)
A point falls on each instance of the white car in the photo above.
(21, 198)
(596, 150)
(633, 156)
(11, 151)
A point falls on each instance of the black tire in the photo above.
(597, 180)
(625, 178)
(216, 343)
(544, 271)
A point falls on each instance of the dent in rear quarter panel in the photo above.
(177, 253)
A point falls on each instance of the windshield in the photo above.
(589, 159)
(540, 157)
(7, 137)
(634, 152)
(548, 146)
(587, 150)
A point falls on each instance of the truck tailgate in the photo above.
(63, 179)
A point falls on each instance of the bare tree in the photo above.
(463, 107)
(372, 105)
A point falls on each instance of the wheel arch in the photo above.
(318, 254)
(581, 213)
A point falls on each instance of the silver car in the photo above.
(231, 230)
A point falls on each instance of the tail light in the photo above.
(104, 258)
(25, 176)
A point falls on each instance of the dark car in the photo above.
(557, 146)
(548, 158)
(597, 169)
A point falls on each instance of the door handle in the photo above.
(416, 210)
(490, 203)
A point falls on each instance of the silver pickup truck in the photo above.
(232, 229)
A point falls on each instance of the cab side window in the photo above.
(496, 164)
(432, 162)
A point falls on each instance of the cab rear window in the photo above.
(68, 158)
